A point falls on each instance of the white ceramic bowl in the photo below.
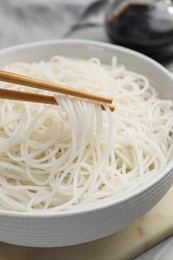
(104, 218)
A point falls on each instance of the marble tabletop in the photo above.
(123, 245)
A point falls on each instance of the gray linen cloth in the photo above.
(24, 21)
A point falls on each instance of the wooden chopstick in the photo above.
(45, 85)
(33, 97)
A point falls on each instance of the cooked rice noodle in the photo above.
(67, 156)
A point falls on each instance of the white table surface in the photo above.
(164, 250)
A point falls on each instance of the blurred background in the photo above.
(143, 25)
(35, 20)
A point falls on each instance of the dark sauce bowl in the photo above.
(143, 26)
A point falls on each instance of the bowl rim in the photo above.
(88, 208)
